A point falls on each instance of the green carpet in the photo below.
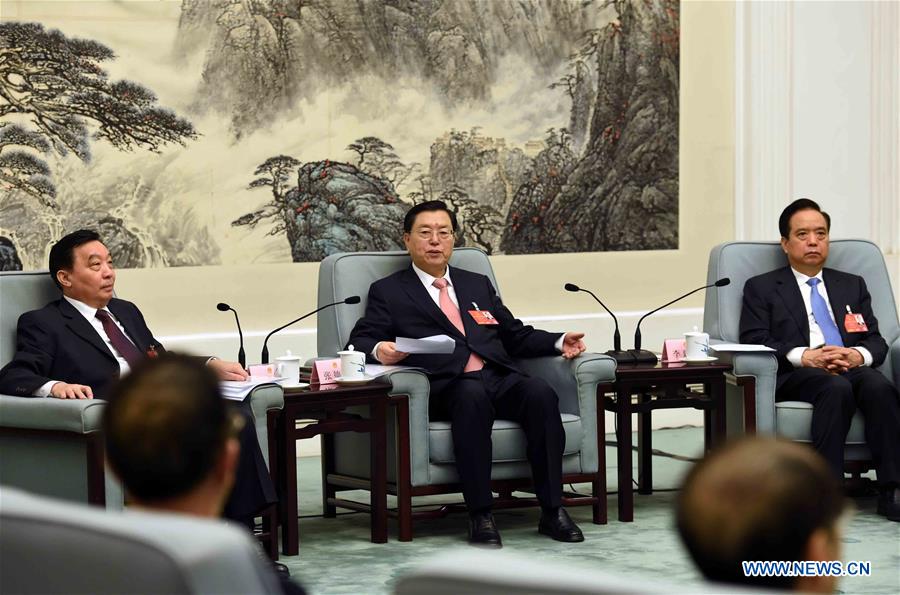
(336, 555)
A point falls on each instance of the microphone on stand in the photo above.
(622, 357)
(223, 307)
(641, 356)
(264, 357)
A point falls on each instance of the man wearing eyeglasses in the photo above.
(478, 382)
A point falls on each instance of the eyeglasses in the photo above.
(426, 234)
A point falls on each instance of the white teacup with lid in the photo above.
(288, 367)
(353, 364)
(696, 345)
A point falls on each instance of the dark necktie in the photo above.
(118, 339)
(823, 318)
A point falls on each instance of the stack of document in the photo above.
(234, 390)
(376, 370)
(739, 347)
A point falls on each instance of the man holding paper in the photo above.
(77, 346)
(477, 381)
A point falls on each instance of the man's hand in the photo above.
(387, 353)
(832, 358)
(64, 390)
(844, 358)
(573, 346)
(228, 370)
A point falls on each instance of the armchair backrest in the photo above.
(351, 273)
(21, 291)
(742, 260)
(50, 546)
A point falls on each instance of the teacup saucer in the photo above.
(354, 381)
(699, 360)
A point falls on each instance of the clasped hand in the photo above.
(836, 360)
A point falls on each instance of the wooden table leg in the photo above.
(645, 448)
(329, 511)
(720, 415)
(290, 536)
(404, 496)
(378, 488)
(626, 493)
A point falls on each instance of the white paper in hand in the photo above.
(432, 344)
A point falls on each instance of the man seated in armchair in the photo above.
(77, 346)
(820, 323)
(479, 381)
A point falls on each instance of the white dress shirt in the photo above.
(435, 294)
(816, 336)
(90, 314)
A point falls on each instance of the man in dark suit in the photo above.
(478, 382)
(807, 313)
(183, 458)
(77, 346)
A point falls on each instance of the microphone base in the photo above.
(621, 357)
(642, 356)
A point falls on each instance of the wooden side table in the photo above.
(327, 405)
(641, 389)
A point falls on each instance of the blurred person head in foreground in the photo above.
(759, 499)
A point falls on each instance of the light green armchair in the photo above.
(721, 319)
(422, 461)
(55, 447)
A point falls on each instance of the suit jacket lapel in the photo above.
(839, 298)
(789, 291)
(127, 323)
(81, 327)
(412, 285)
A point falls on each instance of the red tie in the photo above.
(118, 339)
(450, 310)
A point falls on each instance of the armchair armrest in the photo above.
(56, 467)
(763, 367)
(262, 399)
(570, 377)
(575, 382)
(80, 416)
(894, 358)
(414, 384)
(265, 398)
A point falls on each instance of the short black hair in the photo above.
(801, 204)
(756, 499)
(427, 206)
(62, 254)
(166, 425)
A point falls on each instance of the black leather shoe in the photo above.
(889, 503)
(560, 526)
(281, 569)
(483, 530)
